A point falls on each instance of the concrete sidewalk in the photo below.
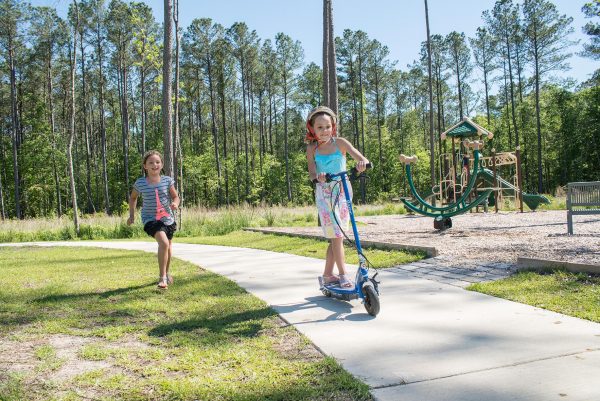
(432, 341)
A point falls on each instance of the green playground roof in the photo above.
(465, 129)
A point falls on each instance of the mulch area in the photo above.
(489, 237)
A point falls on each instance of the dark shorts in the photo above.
(152, 227)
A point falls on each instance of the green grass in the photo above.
(195, 222)
(204, 338)
(303, 247)
(573, 294)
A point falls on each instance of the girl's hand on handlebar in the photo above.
(361, 165)
(321, 177)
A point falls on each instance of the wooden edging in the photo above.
(428, 250)
(542, 264)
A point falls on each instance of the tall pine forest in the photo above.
(82, 97)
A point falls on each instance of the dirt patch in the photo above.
(288, 342)
(20, 357)
(67, 348)
(490, 237)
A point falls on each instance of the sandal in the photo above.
(345, 282)
(169, 279)
(327, 280)
(163, 283)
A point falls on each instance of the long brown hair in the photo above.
(310, 120)
(151, 153)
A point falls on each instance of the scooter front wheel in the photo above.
(371, 299)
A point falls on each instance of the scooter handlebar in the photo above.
(353, 173)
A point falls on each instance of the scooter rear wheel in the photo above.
(371, 299)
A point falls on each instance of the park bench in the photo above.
(582, 198)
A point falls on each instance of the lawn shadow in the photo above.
(55, 298)
(242, 324)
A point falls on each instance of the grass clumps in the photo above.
(204, 338)
(304, 247)
(573, 294)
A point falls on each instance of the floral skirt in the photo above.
(334, 217)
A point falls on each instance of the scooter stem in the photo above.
(351, 211)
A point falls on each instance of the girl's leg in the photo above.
(163, 252)
(169, 253)
(338, 255)
(329, 262)
(337, 245)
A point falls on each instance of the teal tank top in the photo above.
(331, 163)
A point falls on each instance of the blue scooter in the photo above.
(366, 288)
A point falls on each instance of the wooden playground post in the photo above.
(454, 163)
(495, 179)
(519, 178)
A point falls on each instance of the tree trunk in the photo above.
(53, 132)
(247, 170)
(330, 94)
(459, 84)
(363, 190)
(512, 94)
(378, 112)
(176, 155)
(73, 61)
(506, 103)
(2, 210)
(487, 96)
(285, 140)
(431, 139)
(356, 140)
(538, 122)
(224, 127)
(88, 154)
(166, 93)
(143, 98)
(102, 122)
(15, 128)
(213, 115)
(125, 127)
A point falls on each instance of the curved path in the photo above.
(432, 341)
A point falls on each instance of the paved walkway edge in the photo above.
(543, 264)
(428, 250)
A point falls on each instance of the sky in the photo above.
(397, 24)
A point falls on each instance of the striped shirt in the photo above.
(156, 199)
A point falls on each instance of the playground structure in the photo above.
(467, 179)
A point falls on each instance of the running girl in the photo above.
(159, 201)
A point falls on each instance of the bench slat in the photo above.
(581, 195)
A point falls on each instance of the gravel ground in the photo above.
(490, 237)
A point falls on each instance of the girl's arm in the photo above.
(174, 198)
(346, 146)
(132, 204)
(310, 158)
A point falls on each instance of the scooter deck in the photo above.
(336, 291)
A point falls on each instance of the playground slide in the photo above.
(531, 200)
